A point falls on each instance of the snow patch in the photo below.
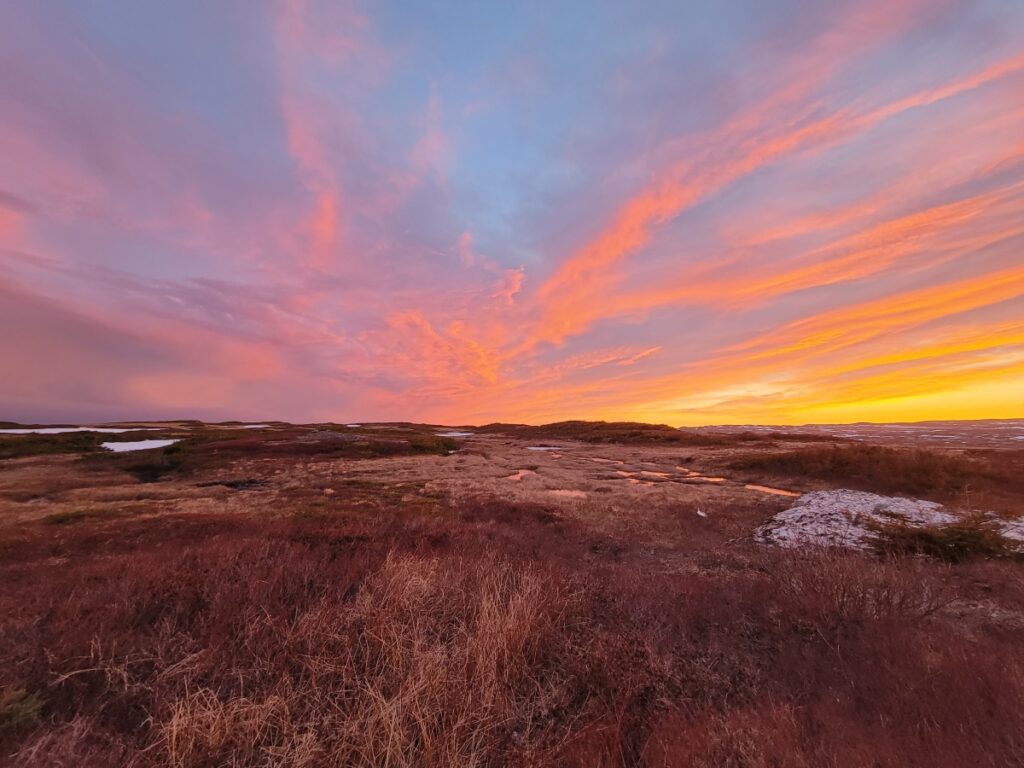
(842, 518)
(1012, 529)
(138, 445)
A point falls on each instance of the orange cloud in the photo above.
(856, 324)
(578, 293)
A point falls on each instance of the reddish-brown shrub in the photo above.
(317, 641)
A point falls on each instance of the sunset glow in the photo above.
(458, 212)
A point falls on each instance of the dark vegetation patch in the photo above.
(17, 446)
(879, 469)
(402, 640)
(957, 542)
(249, 424)
(77, 516)
(214, 449)
(321, 441)
(760, 436)
(630, 433)
(18, 425)
(636, 433)
(238, 484)
(19, 710)
(146, 466)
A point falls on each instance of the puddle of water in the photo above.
(519, 475)
(138, 445)
(454, 433)
(773, 491)
(254, 426)
(542, 448)
(566, 494)
(353, 426)
(63, 430)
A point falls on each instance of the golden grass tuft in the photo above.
(436, 670)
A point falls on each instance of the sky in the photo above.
(683, 212)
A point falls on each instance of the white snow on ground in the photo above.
(840, 518)
(254, 426)
(1013, 529)
(454, 433)
(138, 445)
(63, 430)
(543, 448)
(843, 518)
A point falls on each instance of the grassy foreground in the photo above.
(473, 641)
(254, 608)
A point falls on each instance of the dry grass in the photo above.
(954, 542)
(318, 642)
(626, 433)
(208, 448)
(394, 623)
(431, 662)
(871, 467)
(638, 433)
